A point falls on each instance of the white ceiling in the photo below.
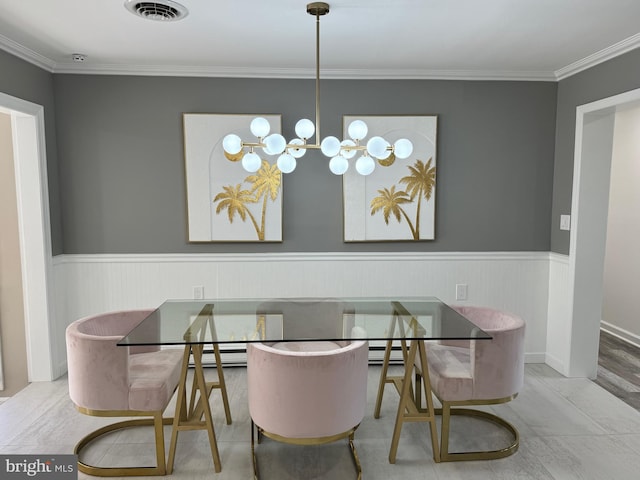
(491, 39)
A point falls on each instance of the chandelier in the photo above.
(340, 152)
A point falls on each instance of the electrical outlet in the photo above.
(198, 292)
(565, 222)
(461, 291)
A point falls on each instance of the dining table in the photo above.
(400, 327)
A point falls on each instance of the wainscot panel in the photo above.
(514, 281)
(559, 320)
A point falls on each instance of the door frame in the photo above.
(34, 226)
(589, 209)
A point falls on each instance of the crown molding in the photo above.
(26, 54)
(615, 50)
(240, 72)
(51, 66)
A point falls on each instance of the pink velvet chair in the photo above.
(307, 393)
(478, 372)
(111, 381)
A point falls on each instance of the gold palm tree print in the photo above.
(389, 202)
(264, 185)
(420, 183)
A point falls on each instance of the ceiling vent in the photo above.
(165, 11)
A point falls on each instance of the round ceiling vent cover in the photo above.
(164, 11)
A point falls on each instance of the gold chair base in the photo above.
(160, 469)
(349, 434)
(446, 456)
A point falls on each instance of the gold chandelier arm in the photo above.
(309, 146)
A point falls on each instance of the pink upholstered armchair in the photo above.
(478, 372)
(307, 393)
(108, 380)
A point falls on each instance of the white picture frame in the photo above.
(223, 204)
(391, 204)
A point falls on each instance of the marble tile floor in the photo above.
(569, 429)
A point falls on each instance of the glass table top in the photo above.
(179, 322)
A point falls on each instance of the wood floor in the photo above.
(619, 369)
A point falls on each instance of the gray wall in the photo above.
(125, 193)
(23, 80)
(615, 76)
(122, 166)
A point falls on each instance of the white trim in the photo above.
(621, 333)
(559, 258)
(27, 122)
(376, 357)
(603, 55)
(26, 54)
(585, 257)
(20, 51)
(254, 72)
(555, 363)
(300, 257)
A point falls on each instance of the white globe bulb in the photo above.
(286, 163)
(232, 144)
(296, 152)
(348, 153)
(251, 162)
(260, 127)
(387, 151)
(305, 129)
(377, 147)
(338, 165)
(274, 144)
(403, 148)
(365, 165)
(330, 147)
(358, 130)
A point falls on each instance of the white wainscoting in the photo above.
(559, 319)
(514, 281)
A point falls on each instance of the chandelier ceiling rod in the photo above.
(318, 9)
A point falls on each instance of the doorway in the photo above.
(28, 135)
(589, 208)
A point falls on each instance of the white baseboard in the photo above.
(621, 333)
(555, 363)
(239, 358)
(535, 357)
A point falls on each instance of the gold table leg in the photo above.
(408, 409)
(409, 406)
(192, 419)
(383, 379)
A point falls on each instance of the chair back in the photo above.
(98, 369)
(497, 365)
(306, 393)
(310, 317)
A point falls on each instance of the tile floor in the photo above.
(569, 428)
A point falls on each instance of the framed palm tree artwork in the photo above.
(396, 202)
(224, 202)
